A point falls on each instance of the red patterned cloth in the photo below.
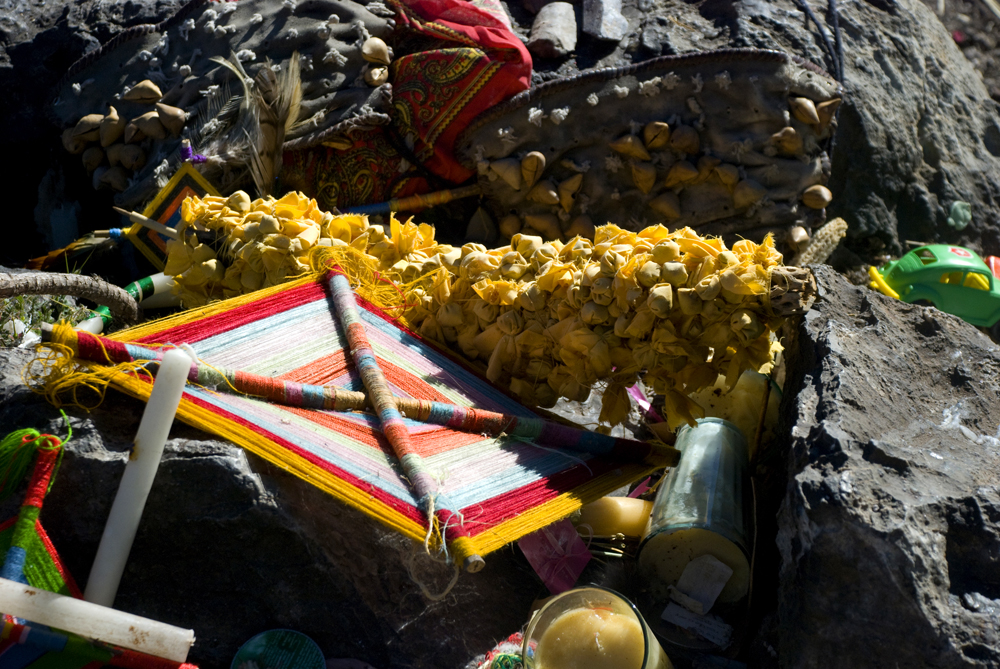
(457, 61)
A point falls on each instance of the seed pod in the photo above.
(643, 175)
(661, 300)
(797, 237)
(510, 225)
(581, 226)
(706, 165)
(145, 92)
(804, 110)
(667, 204)
(509, 170)
(374, 50)
(149, 125)
(532, 166)
(826, 111)
(546, 224)
(674, 273)
(689, 301)
(685, 139)
(172, 118)
(116, 178)
(568, 189)
(630, 145)
(747, 192)
(656, 135)
(131, 156)
(112, 127)
(114, 153)
(788, 141)
(708, 288)
(544, 192)
(88, 128)
(816, 197)
(376, 76)
(729, 175)
(666, 251)
(132, 134)
(681, 172)
(72, 144)
(92, 158)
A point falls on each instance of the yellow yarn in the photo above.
(56, 373)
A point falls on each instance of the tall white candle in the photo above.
(112, 553)
(95, 622)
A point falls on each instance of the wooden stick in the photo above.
(155, 226)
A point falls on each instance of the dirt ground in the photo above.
(976, 30)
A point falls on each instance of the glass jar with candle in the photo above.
(698, 511)
(591, 628)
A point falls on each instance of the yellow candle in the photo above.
(591, 639)
(615, 515)
(663, 558)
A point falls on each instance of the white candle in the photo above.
(95, 622)
(143, 461)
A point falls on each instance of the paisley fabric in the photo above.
(453, 61)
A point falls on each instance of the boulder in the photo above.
(889, 531)
(553, 32)
(603, 19)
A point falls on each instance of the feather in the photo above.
(246, 132)
(278, 98)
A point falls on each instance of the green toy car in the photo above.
(951, 278)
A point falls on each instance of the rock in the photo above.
(553, 34)
(603, 19)
(889, 533)
(230, 546)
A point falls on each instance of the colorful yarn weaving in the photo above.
(466, 419)
(429, 496)
(498, 489)
(30, 557)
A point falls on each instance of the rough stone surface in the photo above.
(889, 533)
(553, 33)
(603, 19)
(229, 546)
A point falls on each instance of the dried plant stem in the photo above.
(121, 304)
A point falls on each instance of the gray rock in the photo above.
(889, 533)
(230, 546)
(553, 34)
(603, 19)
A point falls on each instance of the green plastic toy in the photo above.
(951, 278)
